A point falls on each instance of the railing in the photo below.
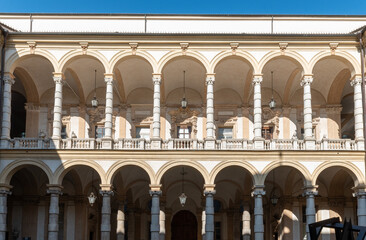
(183, 144)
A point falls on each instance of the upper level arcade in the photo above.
(182, 91)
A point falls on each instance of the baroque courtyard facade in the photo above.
(138, 109)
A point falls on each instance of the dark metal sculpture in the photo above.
(343, 231)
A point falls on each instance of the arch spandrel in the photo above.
(62, 170)
(122, 55)
(345, 57)
(68, 57)
(16, 165)
(291, 55)
(304, 172)
(112, 171)
(11, 62)
(176, 54)
(245, 56)
(254, 173)
(167, 166)
(356, 174)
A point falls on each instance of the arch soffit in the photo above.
(289, 55)
(65, 167)
(247, 57)
(127, 54)
(175, 54)
(28, 84)
(245, 165)
(13, 167)
(79, 53)
(197, 166)
(10, 64)
(357, 176)
(345, 56)
(118, 165)
(304, 172)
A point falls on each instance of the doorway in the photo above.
(184, 226)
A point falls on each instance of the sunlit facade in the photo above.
(108, 119)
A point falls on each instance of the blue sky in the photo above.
(349, 7)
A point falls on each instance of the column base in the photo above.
(155, 143)
(107, 143)
(55, 143)
(4, 143)
(210, 144)
(310, 144)
(258, 143)
(360, 144)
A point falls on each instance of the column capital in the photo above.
(359, 192)
(310, 191)
(156, 78)
(306, 80)
(258, 190)
(155, 193)
(106, 192)
(58, 78)
(257, 79)
(108, 75)
(106, 187)
(108, 79)
(54, 189)
(209, 187)
(356, 79)
(5, 189)
(210, 78)
(155, 189)
(9, 78)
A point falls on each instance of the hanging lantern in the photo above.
(92, 198)
(184, 102)
(182, 199)
(94, 101)
(272, 103)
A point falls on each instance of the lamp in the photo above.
(184, 102)
(274, 198)
(92, 197)
(272, 103)
(94, 101)
(183, 196)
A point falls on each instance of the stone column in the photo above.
(6, 124)
(257, 110)
(203, 225)
(358, 112)
(155, 213)
(4, 192)
(361, 206)
(156, 140)
(120, 223)
(55, 191)
(246, 231)
(57, 110)
(210, 212)
(308, 113)
(258, 192)
(310, 193)
(108, 125)
(210, 125)
(105, 226)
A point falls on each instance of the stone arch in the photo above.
(10, 63)
(120, 164)
(62, 170)
(175, 54)
(304, 172)
(292, 55)
(356, 174)
(16, 165)
(78, 53)
(127, 54)
(30, 88)
(163, 169)
(345, 57)
(247, 166)
(241, 54)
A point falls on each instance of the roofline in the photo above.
(179, 14)
(188, 34)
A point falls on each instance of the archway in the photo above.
(184, 226)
